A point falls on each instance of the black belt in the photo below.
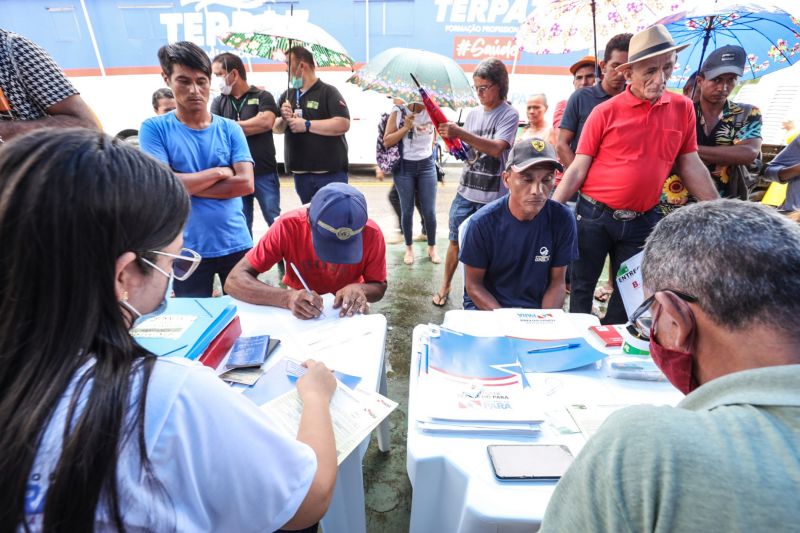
(616, 214)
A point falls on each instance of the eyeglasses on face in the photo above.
(480, 89)
(184, 263)
(641, 321)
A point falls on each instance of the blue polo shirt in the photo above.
(216, 227)
(518, 255)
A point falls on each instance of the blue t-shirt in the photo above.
(517, 255)
(216, 227)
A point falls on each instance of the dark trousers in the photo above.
(308, 184)
(599, 234)
(201, 283)
(416, 184)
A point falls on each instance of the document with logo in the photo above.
(629, 281)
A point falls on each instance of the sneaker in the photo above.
(420, 238)
(394, 239)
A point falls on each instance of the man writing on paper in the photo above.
(724, 459)
(517, 248)
(334, 247)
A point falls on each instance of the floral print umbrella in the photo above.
(769, 35)
(275, 34)
(390, 73)
(564, 26)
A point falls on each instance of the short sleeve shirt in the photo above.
(579, 106)
(309, 152)
(253, 102)
(216, 227)
(36, 84)
(730, 130)
(518, 255)
(222, 463)
(289, 238)
(481, 181)
(634, 144)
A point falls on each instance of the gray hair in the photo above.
(740, 260)
(493, 70)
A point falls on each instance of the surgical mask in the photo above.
(223, 87)
(296, 82)
(160, 308)
(675, 364)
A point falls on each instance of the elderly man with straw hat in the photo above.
(627, 148)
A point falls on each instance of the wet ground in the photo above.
(407, 303)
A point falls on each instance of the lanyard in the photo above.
(297, 95)
(238, 108)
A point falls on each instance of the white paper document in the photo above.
(536, 324)
(354, 413)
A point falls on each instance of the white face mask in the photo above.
(223, 87)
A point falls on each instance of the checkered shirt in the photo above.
(43, 83)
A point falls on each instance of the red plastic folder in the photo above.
(221, 344)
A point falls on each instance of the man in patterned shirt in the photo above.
(728, 133)
(34, 93)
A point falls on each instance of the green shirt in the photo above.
(726, 459)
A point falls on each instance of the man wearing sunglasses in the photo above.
(330, 246)
(723, 322)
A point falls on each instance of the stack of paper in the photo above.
(473, 384)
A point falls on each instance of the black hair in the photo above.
(301, 54)
(619, 42)
(184, 53)
(231, 62)
(72, 201)
(493, 70)
(160, 94)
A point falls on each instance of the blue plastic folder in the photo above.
(554, 355)
(187, 326)
(459, 355)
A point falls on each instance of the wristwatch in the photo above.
(308, 126)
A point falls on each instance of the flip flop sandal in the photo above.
(442, 299)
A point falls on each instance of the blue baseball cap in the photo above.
(338, 214)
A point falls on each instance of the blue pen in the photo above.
(556, 348)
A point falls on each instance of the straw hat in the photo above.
(650, 42)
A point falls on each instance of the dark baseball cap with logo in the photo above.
(729, 59)
(338, 214)
(524, 154)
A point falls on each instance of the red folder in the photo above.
(221, 344)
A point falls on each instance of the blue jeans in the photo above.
(599, 234)
(308, 183)
(268, 192)
(201, 283)
(417, 178)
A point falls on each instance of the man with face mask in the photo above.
(255, 111)
(724, 459)
(314, 118)
(628, 146)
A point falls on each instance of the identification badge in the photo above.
(312, 104)
(252, 101)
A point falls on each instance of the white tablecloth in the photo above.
(454, 488)
(361, 355)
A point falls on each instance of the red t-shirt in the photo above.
(634, 144)
(558, 113)
(290, 238)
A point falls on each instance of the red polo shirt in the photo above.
(290, 238)
(634, 144)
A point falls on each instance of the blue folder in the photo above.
(555, 355)
(212, 315)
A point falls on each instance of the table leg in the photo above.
(384, 440)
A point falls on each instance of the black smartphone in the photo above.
(529, 461)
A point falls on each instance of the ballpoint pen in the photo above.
(555, 348)
(305, 285)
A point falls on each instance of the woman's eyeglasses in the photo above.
(184, 263)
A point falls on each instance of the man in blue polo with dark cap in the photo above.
(329, 245)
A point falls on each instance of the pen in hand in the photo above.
(305, 285)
